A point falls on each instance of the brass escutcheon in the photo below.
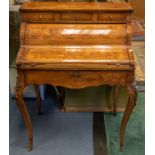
(76, 74)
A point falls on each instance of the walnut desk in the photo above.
(75, 45)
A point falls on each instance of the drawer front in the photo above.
(38, 17)
(77, 79)
(112, 17)
(75, 17)
(72, 17)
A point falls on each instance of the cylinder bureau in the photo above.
(75, 45)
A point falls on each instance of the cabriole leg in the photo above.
(130, 106)
(23, 109)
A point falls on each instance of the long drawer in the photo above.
(73, 17)
(78, 79)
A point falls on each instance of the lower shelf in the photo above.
(94, 99)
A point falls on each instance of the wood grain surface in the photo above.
(74, 34)
(74, 57)
(77, 79)
(74, 6)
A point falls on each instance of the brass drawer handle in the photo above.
(76, 74)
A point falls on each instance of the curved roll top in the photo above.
(73, 34)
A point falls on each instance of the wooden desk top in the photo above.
(76, 6)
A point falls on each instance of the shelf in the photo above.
(94, 99)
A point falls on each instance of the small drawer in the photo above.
(38, 17)
(71, 17)
(112, 18)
